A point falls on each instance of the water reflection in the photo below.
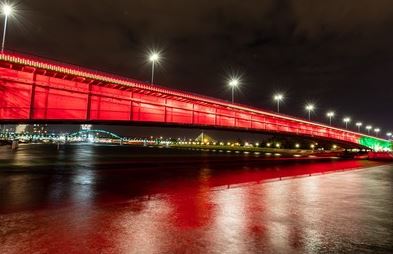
(89, 199)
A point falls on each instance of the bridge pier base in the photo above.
(14, 144)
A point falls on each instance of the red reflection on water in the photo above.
(215, 212)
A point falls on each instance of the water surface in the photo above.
(111, 199)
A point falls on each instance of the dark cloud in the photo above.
(337, 53)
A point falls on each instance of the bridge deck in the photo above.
(40, 90)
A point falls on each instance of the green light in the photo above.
(375, 144)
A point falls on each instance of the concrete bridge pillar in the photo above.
(15, 144)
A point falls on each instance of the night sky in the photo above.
(337, 54)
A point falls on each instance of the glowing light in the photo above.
(278, 145)
(7, 9)
(375, 143)
(377, 130)
(154, 57)
(297, 145)
(359, 124)
(234, 82)
(346, 120)
(310, 107)
(278, 97)
(389, 134)
(330, 114)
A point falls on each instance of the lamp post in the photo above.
(359, 124)
(233, 83)
(278, 97)
(377, 130)
(346, 120)
(309, 108)
(7, 11)
(153, 58)
(389, 134)
(368, 128)
(330, 114)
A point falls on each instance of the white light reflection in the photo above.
(229, 225)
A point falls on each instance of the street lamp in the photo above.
(377, 130)
(7, 11)
(368, 128)
(278, 97)
(359, 124)
(389, 134)
(346, 120)
(153, 58)
(330, 114)
(233, 83)
(309, 108)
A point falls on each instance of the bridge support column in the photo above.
(14, 145)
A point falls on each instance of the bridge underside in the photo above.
(33, 91)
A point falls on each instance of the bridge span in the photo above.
(36, 90)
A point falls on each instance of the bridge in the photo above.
(87, 132)
(34, 90)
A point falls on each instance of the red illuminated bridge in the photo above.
(35, 90)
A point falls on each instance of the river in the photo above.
(121, 199)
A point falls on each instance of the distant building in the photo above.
(22, 128)
(40, 129)
(86, 127)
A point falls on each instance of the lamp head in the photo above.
(234, 82)
(310, 107)
(154, 57)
